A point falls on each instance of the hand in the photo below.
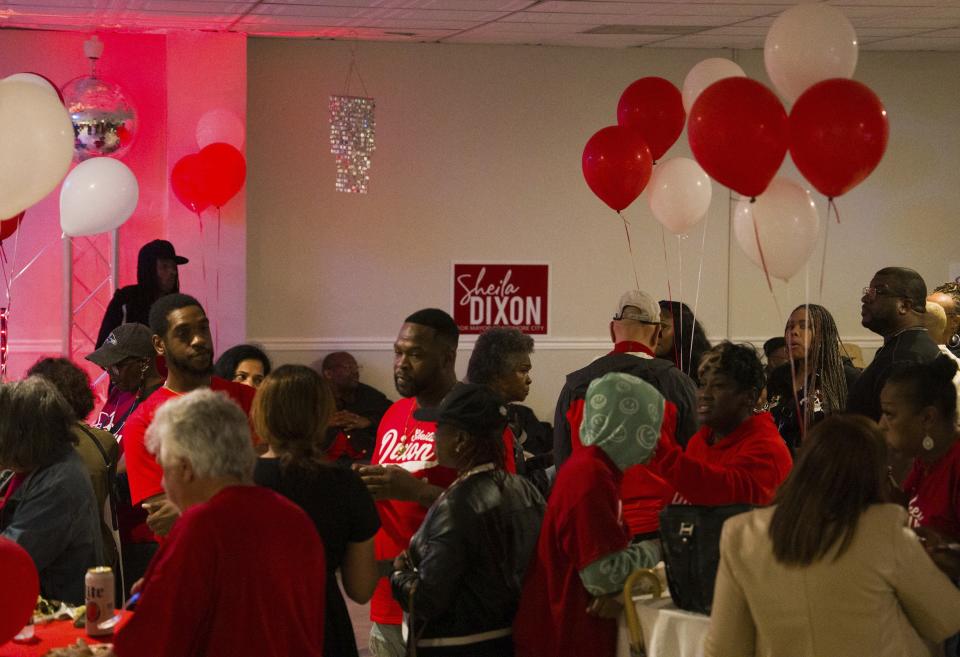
(161, 514)
(606, 606)
(136, 586)
(391, 482)
(941, 550)
(402, 562)
(349, 421)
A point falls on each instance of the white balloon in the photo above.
(99, 195)
(706, 73)
(33, 78)
(220, 125)
(37, 144)
(807, 44)
(788, 225)
(680, 193)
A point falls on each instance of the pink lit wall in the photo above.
(172, 81)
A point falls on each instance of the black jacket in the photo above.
(471, 554)
(783, 404)
(132, 302)
(910, 346)
(663, 375)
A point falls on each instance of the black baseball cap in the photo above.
(470, 406)
(163, 250)
(131, 340)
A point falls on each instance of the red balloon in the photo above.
(838, 134)
(617, 165)
(188, 180)
(226, 171)
(739, 133)
(21, 586)
(654, 107)
(9, 226)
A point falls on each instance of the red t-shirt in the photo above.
(142, 468)
(405, 441)
(582, 524)
(744, 467)
(934, 492)
(241, 574)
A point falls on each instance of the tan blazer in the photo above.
(876, 600)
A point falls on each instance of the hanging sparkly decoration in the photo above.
(104, 122)
(352, 128)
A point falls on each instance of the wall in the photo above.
(478, 158)
(171, 81)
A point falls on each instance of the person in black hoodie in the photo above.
(156, 276)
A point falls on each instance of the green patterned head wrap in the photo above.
(622, 416)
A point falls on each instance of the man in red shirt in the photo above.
(737, 457)
(404, 476)
(584, 555)
(243, 570)
(635, 330)
(181, 334)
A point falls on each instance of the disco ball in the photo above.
(104, 122)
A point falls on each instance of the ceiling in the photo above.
(741, 24)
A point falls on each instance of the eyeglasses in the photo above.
(874, 292)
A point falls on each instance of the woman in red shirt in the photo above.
(919, 413)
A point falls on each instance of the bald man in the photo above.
(935, 319)
(937, 327)
(360, 407)
(948, 296)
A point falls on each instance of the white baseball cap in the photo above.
(638, 306)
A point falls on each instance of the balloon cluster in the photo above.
(836, 132)
(98, 195)
(211, 177)
(618, 161)
(739, 133)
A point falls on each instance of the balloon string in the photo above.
(216, 326)
(203, 253)
(30, 264)
(836, 211)
(633, 262)
(826, 243)
(680, 308)
(666, 265)
(696, 301)
(13, 264)
(763, 261)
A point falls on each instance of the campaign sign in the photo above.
(488, 295)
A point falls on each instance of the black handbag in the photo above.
(691, 551)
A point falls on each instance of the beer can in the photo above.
(100, 592)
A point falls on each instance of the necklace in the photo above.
(405, 438)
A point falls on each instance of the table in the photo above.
(54, 634)
(668, 631)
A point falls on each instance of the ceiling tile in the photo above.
(717, 41)
(918, 43)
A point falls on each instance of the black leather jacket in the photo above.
(470, 555)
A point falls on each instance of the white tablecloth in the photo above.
(669, 632)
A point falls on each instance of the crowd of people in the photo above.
(242, 501)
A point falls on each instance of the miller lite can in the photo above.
(99, 588)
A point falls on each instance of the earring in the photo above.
(927, 443)
(954, 341)
(459, 448)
